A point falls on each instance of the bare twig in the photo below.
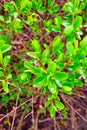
(15, 111)
(79, 95)
(73, 118)
(62, 96)
(49, 119)
(55, 123)
(18, 107)
(28, 115)
(33, 112)
(21, 120)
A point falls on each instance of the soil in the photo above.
(76, 106)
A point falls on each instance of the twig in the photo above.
(15, 111)
(79, 95)
(27, 115)
(49, 119)
(73, 118)
(73, 108)
(18, 107)
(38, 13)
(77, 103)
(55, 123)
(1, 5)
(21, 120)
(43, 37)
(33, 113)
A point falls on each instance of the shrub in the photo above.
(51, 66)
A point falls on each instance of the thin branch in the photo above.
(33, 112)
(15, 110)
(49, 119)
(55, 123)
(30, 100)
(64, 99)
(28, 115)
(79, 95)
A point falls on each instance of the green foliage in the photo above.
(48, 67)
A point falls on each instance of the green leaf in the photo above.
(1, 56)
(24, 77)
(1, 74)
(50, 3)
(77, 22)
(40, 4)
(83, 42)
(55, 28)
(24, 4)
(6, 60)
(5, 47)
(1, 18)
(36, 45)
(70, 48)
(27, 64)
(85, 17)
(59, 105)
(51, 66)
(5, 86)
(52, 87)
(68, 29)
(56, 42)
(79, 83)
(33, 54)
(39, 81)
(57, 45)
(60, 76)
(67, 88)
(52, 110)
(34, 70)
(55, 8)
(8, 6)
(47, 103)
(68, 83)
(70, 38)
(58, 20)
(45, 56)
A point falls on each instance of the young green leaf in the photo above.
(58, 20)
(77, 22)
(83, 43)
(6, 60)
(36, 45)
(45, 56)
(59, 105)
(24, 78)
(70, 48)
(5, 86)
(5, 47)
(60, 76)
(33, 54)
(57, 45)
(67, 88)
(1, 56)
(51, 66)
(79, 83)
(25, 3)
(1, 74)
(40, 2)
(68, 83)
(52, 111)
(55, 8)
(68, 30)
(50, 3)
(52, 87)
(39, 81)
